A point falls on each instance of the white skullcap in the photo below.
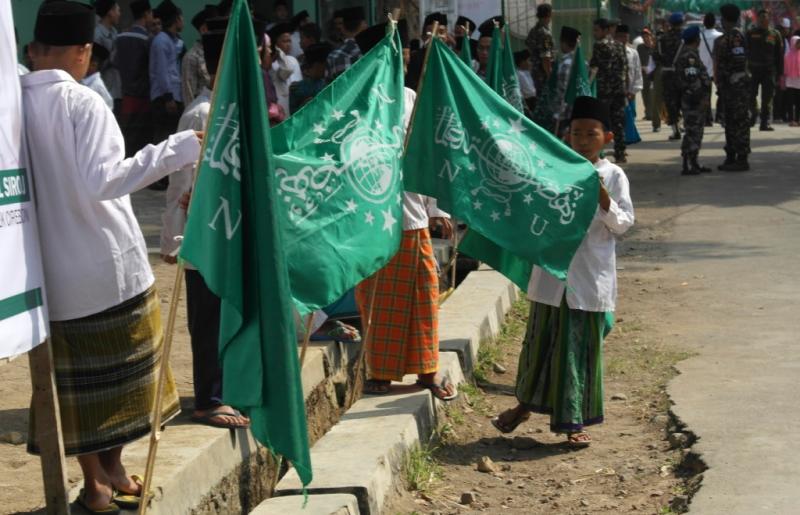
(785, 23)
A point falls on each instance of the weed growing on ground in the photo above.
(421, 469)
(491, 352)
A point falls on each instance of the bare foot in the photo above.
(221, 416)
(96, 496)
(507, 421)
(440, 387)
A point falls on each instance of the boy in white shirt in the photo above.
(93, 79)
(105, 315)
(522, 60)
(561, 363)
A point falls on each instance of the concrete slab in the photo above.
(326, 504)
(474, 313)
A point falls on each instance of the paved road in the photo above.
(739, 236)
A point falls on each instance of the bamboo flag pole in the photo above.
(155, 432)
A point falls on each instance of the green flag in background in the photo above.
(232, 236)
(466, 50)
(578, 84)
(501, 72)
(488, 165)
(339, 178)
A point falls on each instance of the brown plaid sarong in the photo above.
(404, 336)
(106, 367)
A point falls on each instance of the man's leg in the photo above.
(97, 486)
(656, 98)
(709, 117)
(767, 95)
(647, 86)
(618, 127)
(111, 461)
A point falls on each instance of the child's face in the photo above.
(526, 65)
(587, 137)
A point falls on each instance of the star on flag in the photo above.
(388, 220)
(351, 206)
(516, 126)
(337, 115)
(327, 157)
(477, 205)
(495, 216)
(528, 198)
(318, 129)
(369, 217)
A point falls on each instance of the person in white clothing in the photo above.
(105, 329)
(404, 331)
(561, 363)
(635, 80)
(93, 79)
(285, 69)
(524, 65)
(708, 36)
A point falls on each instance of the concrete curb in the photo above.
(363, 454)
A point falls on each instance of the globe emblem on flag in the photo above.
(371, 166)
(506, 165)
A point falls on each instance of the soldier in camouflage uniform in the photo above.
(540, 45)
(765, 60)
(733, 83)
(668, 47)
(609, 65)
(694, 83)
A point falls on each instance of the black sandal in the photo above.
(522, 416)
(440, 390)
(377, 387)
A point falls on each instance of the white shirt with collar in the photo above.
(93, 250)
(592, 277)
(707, 37)
(417, 209)
(285, 70)
(96, 84)
(635, 79)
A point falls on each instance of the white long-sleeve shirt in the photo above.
(417, 209)
(285, 70)
(635, 80)
(96, 84)
(707, 39)
(93, 251)
(592, 277)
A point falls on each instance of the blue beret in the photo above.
(691, 33)
(676, 18)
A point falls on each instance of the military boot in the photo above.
(688, 167)
(730, 157)
(740, 164)
(676, 133)
(696, 165)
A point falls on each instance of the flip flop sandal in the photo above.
(377, 387)
(519, 419)
(341, 333)
(207, 419)
(439, 390)
(130, 501)
(572, 440)
(111, 509)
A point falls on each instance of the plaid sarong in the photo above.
(404, 336)
(561, 366)
(106, 368)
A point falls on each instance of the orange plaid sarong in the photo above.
(404, 337)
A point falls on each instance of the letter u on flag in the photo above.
(233, 238)
(506, 177)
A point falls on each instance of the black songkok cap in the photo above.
(486, 30)
(139, 8)
(623, 29)
(209, 11)
(167, 12)
(260, 28)
(592, 109)
(521, 56)
(434, 17)
(730, 13)
(217, 23)
(278, 29)
(212, 49)
(490, 23)
(354, 14)
(100, 53)
(317, 53)
(570, 35)
(63, 23)
(463, 21)
(370, 37)
(102, 7)
(602, 23)
(299, 17)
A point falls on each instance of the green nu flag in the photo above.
(466, 50)
(233, 237)
(339, 178)
(578, 84)
(501, 72)
(488, 165)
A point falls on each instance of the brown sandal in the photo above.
(579, 440)
(377, 387)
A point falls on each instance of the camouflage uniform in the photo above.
(694, 84)
(765, 60)
(608, 57)
(540, 45)
(667, 48)
(733, 81)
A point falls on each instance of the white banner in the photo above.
(23, 316)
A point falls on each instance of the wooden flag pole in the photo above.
(434, 34)
(365, 341)
(48, 429)
(155, 433)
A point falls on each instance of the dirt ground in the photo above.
(20, 473)
(631, 466)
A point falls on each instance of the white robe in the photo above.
(93, 251)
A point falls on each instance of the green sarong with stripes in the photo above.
(561, 365)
